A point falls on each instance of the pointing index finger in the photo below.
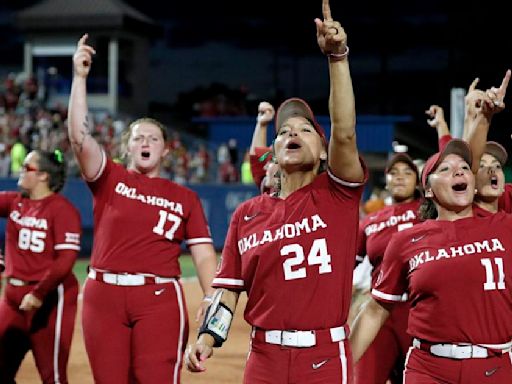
(83, 39)
(326, 10)
(504, 83)
(472, 87)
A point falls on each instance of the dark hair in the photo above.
(427, 209)
(323, 166)
(323, 163)
(54, 165)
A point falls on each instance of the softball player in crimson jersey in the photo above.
(488, 156)
(135, 321)
(263, 168)
(38, 308)
(457, 271)
(490, 181)
(385, 357)
(287, 251)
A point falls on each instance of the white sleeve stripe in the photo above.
(387, 296)
(66, 246)
(235, 282)
(199, 240)
(359, 258)
(343, 182)
(102, 167)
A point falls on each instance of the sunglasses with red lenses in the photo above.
(29, 168)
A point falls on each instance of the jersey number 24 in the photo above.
(318, 255)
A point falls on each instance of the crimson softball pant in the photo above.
(385, 357)
(47, 331)
(425, 368)
(135, 333)
(276, 364)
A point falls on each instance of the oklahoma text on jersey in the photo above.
(287, 231)
(28, 221)
(131, 193)
(391, 222)
(491, 245)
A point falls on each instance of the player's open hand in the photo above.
(82, 59)
(330, 35)
(196, 354)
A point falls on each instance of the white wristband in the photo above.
(338, 56)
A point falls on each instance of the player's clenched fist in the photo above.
(436, 116)
(265, 112)
(82, 58)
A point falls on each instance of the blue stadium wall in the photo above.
(219, 202)
(374, 134)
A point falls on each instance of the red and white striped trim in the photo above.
(58, 331)
(350, 184)
(344, 363)
(59, 247)
(177, 366)
(102, 167)
(387, 296)
(199, 240)
(233, 282)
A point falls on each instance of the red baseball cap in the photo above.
(454, 146)
(497, 150)
(298, 107)
(402, 157)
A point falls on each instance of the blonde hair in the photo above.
(125, 137)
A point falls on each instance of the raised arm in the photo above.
(265, 116)
(436, 120)
(480, 108)
(343, 155)
(88, 152)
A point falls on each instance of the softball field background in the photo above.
(225, 367)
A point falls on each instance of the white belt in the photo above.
(302, 338)
(18, 282)
(461, 351)
(127, 279)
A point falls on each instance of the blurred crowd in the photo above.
(26, 123)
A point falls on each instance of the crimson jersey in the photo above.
(258, 166)
(505, 200)
(376, 230)
(35, 230)
(458, 275)
(140, 222)
(294, 257)
(480, 212)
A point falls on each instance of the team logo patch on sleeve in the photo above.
(72, 238)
